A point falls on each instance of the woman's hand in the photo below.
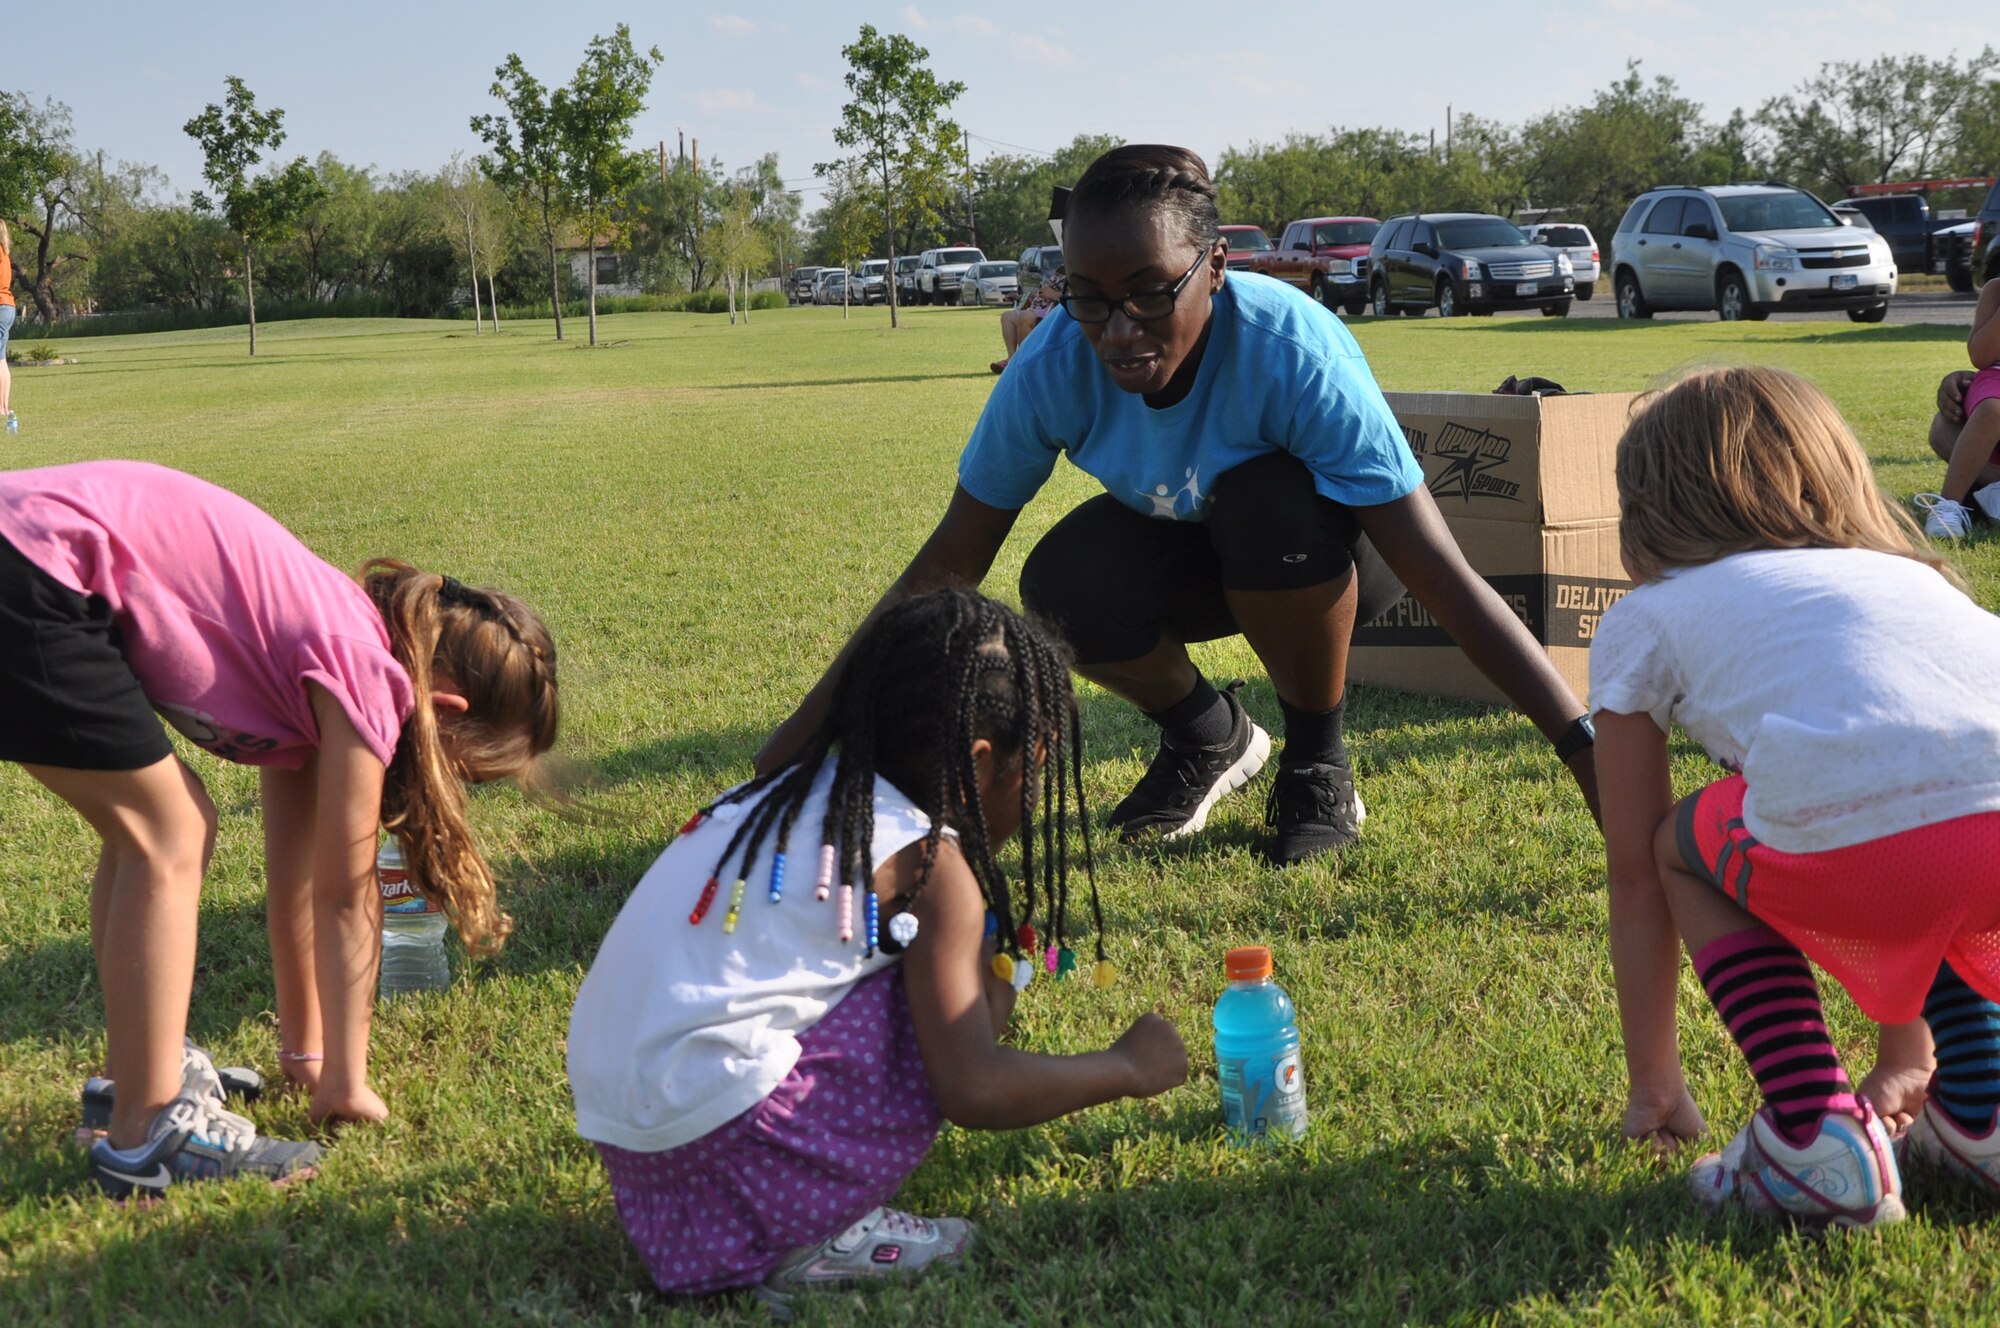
(1152, 1046)
(334, 1106)
(1951, 395)
(1664, 1116)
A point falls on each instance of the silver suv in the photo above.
(1745, 250)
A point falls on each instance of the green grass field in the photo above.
(702, 512)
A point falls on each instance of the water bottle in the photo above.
(1257, 1052)
(413, 929)
(13, 424)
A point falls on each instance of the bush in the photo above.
(769, 299)
(181, 320)
(680, 302)
(42, 352)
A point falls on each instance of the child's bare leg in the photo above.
(157, 825)
(1972, 451)
(1904, 1062)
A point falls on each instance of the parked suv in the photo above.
(1038, 261)
(1243, 241)
(906, 278)
(1984, 255)
(1578, 243)
(939, 272)
(799, 290)
(1745, 250)
(1464, 263)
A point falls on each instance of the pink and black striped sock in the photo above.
(1763, 989)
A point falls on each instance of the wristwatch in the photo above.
(1580, 734)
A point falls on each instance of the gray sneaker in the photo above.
(195, 1139)
(200, 1077)
(884, 1244)
(1944, 518)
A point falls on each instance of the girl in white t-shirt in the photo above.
(1787, 618)
(757, 1068)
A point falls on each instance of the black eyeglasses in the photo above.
(1140, 306)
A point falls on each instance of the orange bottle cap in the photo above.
(1248, 963)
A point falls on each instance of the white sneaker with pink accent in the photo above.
(1844, 1176)
(1937, 1138)
(883, 1244)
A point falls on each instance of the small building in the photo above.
(617, 273)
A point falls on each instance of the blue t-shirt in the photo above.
(1280, 374)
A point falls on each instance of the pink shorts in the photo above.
(1985, 386)
(1879, 916)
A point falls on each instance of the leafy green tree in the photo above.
(525, 159)
(845, 228)
(593, 118)
(1895, 117)
(737, 244)
(457, 194)
(1368, 172)
(40, 184)
(1013, 191)
(900, 142)
(258, 209)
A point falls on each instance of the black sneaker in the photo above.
(200, 1077)
(1315, 809)
(194, 1139)
(1173, 797)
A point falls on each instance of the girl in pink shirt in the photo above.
(128, 590)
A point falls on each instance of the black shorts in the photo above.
(1113, 581)
(67, 696)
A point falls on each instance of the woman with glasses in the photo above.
(1252, 474)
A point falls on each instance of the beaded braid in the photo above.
(932, 675)
(1151, 175)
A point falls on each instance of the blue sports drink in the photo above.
(1257, 1052)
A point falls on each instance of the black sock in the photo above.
(1312, 737)
(1202, 719)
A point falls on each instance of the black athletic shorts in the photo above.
(67, 696)
(1113, 581)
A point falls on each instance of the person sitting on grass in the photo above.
(1245, 452)
(1778, 599)
(1966, 431)
(128, 589)
(1018, 322)
(806, 980)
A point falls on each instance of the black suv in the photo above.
(1985, 258)
(1465, 263)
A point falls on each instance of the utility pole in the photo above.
(971, 222)
(682, 135)
(1447, 131)
(663, 161)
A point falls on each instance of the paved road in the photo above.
(1916, 307)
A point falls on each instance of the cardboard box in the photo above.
(1526, 485)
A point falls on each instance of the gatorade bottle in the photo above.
(1257, 1051)
(413, 930)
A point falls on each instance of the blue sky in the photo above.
(393, 85)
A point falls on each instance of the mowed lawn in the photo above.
(702, 512)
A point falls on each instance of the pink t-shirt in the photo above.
(225, 615)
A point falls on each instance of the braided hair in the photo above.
(928, 678)
(1151, 176)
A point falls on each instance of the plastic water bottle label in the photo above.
(1264, 1096)
(398, 894)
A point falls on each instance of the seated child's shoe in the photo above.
(1844, 1176)
(1944, 518)
(195, 1139)
(1987, 501)
(200, 1077)
(885, 1243)
(1935, 1137)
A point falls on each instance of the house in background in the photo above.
(617, 273)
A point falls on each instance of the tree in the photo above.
(898, 137)
(260, 209)
(458, 197)
(844, 228)
(1013, 195)
(1894, 117)
(593, 118)
(525, 159)
(737, 243)
(39, 183)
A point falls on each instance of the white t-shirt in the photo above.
(1858, 693)
(678, 1029)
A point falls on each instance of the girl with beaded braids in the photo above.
(820, 966)
(1255, 483)
(130, 589)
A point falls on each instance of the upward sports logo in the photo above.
(1470, 455)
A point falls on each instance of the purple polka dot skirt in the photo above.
(836, 1138)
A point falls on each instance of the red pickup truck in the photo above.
(1327, 257)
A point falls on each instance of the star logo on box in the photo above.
(1470, 455)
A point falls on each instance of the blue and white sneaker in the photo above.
(1941, 1141)
(200, 1077)
(1844, 1176)
(194, 1139)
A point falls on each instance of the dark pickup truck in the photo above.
(1905, 221)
